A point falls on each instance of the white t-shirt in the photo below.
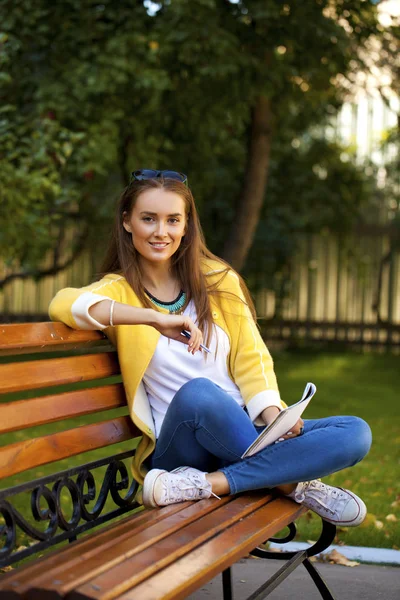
(172, 366)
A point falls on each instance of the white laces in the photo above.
(186, 487)
(335, 504)
(326, 497)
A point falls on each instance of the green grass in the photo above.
(363, 385)
(367, 386)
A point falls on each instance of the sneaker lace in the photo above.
(325, 496)
(188, 487)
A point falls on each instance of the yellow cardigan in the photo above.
(249, 363)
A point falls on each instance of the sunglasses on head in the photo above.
(153, 174)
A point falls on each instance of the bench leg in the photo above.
(301, 557)
(273, 582)
(319, 582)
(227, 584)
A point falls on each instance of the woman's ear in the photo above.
(126, 223)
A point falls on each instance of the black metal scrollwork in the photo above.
(8, 530)
(48, 506)
(326, 538)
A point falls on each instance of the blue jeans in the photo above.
(205, 428)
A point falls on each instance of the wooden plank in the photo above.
(196, 568)
(43, 570)
(139, 567)
(16, 377)
(25, 455)
(139, 544)
(47, 409)
(75, 565)
(23, 338)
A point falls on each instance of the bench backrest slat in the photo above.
(57, 371)
(20, 456)
(47, 409)
(25, 338)
(55, 384)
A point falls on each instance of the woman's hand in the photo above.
(269, 414)
(172, 325)
(295, 431)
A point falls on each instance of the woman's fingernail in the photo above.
(281, 439)
(290, 432)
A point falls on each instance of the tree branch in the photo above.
(56, 268)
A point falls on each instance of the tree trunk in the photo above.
(247, 215)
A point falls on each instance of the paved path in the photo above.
(364, 582)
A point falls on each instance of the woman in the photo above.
(199, 411)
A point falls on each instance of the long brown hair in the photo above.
(123, 258)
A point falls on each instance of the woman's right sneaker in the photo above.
(334, 504)
(161, 487)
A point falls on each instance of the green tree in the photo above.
(80, 83)
(217, 89)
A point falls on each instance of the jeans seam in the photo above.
(155, 456)
(235, 457)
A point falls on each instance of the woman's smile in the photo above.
(159, 245)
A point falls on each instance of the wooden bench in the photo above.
(141, 553)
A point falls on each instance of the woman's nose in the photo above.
(160, 229)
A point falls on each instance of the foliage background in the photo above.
(92, 90)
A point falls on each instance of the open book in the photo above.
(286, 419)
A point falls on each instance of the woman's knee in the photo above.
(361, 438)
(198, 392)
(365, 435)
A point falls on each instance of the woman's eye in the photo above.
(147, 219)
(174, 220)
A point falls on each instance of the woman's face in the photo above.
(157, 224)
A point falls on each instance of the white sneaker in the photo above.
(334, 504)
(185, 483)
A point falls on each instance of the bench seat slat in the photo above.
(51, 567)
(22, 414)
(205, 518)
(192, 571)
(21, 456)
(131, 537)
(23, 338)
(228, 531)
(138, 541)
(35, 374)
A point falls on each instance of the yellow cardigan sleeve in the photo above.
(251, 364)
(71, 305)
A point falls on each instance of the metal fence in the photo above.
(338, 290)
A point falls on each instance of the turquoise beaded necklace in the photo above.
(174, 306)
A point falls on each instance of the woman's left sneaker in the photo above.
(334, 504)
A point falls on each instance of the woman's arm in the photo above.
(122, 314)
(90, 307)
(269, 414)
(168, 325)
